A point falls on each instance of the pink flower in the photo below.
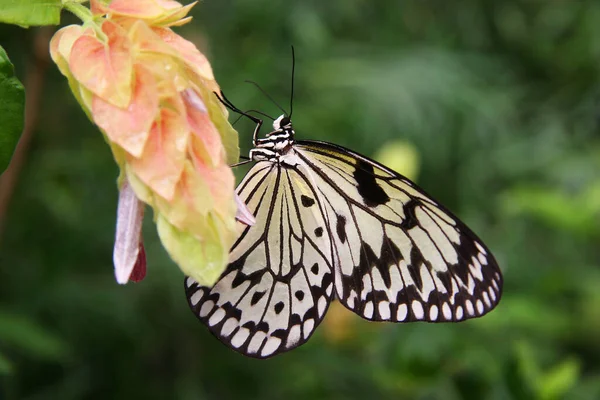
(150, 92)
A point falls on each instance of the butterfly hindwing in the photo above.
(279, 282)
(398, 254)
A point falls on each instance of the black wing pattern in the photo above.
(398, 255)
(279, 282)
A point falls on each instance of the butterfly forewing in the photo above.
(279, 282)
(398, 255)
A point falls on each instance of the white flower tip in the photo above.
(122, 274)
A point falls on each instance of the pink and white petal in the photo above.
(175, 17)
(189, 53)
(61, 45)
(130, 214)
(207, 146)
(146, 40)
(243, 214)
(191, 204)
(221, 182)
(129, 127)
(143, 9)
(104, 68)
(162, 161)
(98, 7)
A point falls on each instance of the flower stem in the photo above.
(81, 12)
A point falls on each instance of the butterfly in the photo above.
(334, 224)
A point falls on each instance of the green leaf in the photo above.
(571, 212)
(30, 12)
(528, 363)
(556, 382)
(12, 107)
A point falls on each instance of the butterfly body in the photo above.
(331, 223)
(276, 144)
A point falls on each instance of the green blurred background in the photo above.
(493, 106)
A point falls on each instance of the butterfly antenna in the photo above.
(236, 120)
(267, 95)
(227, 103)
(249, 111)
(261, 113)
(292, 91)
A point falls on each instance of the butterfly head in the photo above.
(275, 144)
(282, 123)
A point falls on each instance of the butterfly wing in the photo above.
(279, 282)
(398, 254)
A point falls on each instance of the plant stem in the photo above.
(34, 82)
(81, 12)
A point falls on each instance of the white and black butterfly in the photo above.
(331, 223)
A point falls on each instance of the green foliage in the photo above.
(500, 101)
(20, 333)
(12, 105)
(31, 12)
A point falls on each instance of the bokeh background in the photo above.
(492, 107)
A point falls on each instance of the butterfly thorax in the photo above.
(276, 144)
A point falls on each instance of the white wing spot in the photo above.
(455, 289)
(486, 299)
(189, 281)
(229, 326)
(481, 249)
(428, 284)
(367, 287)
(196, 297)
(479, 305)
(447, 311)
(469, 306)
(322, 305)
(309, 324)
(401, 313)
(206, 307)
(293, 336)
(459, 312)
(495, 284)
(476, 269)
(492, 293)
(240, 337)
(471, 285)
(417, 309)
(482, 259)
(368, 310)
(256, 341)
(351, 299)
(271, 346)
(384, 310)
(433, 312)
(329, 289)
(217, 316)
